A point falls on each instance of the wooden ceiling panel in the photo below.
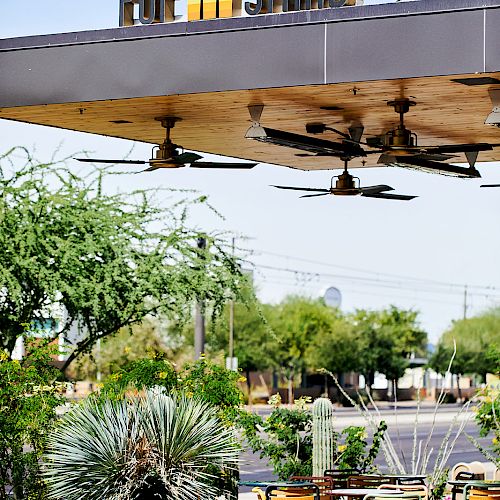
(446, 113)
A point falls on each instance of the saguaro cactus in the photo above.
(324, 441)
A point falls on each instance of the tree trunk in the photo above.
(249, 387)
(459, 389)
(290, 387)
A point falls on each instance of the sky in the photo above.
(419, 254)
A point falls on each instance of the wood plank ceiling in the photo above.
(446, 113)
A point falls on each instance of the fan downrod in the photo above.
(167, 149)
(345, 184)
(401, 137)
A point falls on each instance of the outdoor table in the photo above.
(361, 492)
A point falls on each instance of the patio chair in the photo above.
(295, 491)
(379, 496)
(484, 492)
(324, 483)
(462, 475)
(260, 494)
(339, 476)
(476, 468)
(413, 490)
(369, 481)
(410, 481)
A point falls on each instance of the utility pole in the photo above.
(465, 302)
(199, 318)
(231, 323)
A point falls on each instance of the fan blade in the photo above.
(310, 144)
(313, 195)
(317, 190)
(127, 162)
(489, 185)
(389, 196)
(380, 188)
(435, 167)
(434, 156)
(222, 165)
(186, 158)
(458, 148)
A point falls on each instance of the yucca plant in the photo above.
(155, 446)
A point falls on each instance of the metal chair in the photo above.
(339, 476)
(296, 491)
(369, 481)
(324, 483)
(485, 491)
(414, 490)
(410, 481)
(462, 475)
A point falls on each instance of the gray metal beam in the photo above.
(397, 40)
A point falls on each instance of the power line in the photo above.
(377, 283)
(376, 273)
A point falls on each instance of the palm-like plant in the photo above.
(156, 446)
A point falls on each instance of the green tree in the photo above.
(337, 348)
(254, 340)
(389, 337)
(104, 260)
(297, 322)
(476, 339)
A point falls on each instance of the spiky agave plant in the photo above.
(155, 446)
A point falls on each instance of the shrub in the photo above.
(29, 395)
(157, 445)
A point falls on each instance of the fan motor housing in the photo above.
(399, 137)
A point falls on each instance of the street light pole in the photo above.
(199, 318)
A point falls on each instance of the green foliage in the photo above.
(388, 337)
(338, 348)
(254, 340)
(353, 452)
(476, 339)
(116, 351)
(285, 438)
(108, 260)
(29, 395)
(215, 385)
(202, 379)
(139, 375)
(488, 419)
(165, 446)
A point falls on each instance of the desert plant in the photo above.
(158, 445)
(323, 435)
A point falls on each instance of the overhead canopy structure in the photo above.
(443, 54)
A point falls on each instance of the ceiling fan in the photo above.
(399, 148)
(312, 145)
(170, 155)
(346, 185)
